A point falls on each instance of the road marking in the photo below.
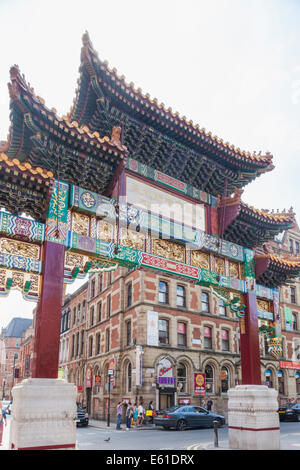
(196, 446)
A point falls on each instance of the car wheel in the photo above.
(298, 417)
(181, 425)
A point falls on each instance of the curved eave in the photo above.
(142, 107)
(28, 112)
(23, 188)
(251, 227)
(278, 271)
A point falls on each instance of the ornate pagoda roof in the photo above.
(248, 226)
(73, 153)
(23, 188)
(273, 271)
(157, 136)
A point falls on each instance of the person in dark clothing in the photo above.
(209, 405)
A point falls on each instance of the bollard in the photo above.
(216, 439)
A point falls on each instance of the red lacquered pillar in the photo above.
(48, 315)
(249, 342)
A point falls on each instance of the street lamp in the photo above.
(108, 404)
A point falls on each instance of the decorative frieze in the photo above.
(173, 183)
(27, 283)
(19, 227)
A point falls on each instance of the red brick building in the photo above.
(11, 339)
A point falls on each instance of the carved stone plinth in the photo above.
(43, 414)
(253, 421)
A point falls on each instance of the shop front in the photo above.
(165, 384)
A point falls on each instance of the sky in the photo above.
(231, 66)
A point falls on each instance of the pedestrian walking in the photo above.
(151, 409)
(119, 415)
(135, 414)
(128, 416)
(3, 421)
(140, 419)
(209, 404)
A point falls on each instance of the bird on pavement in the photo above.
(107, 440)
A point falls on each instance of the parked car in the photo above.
(288, 412)
(188, 416)
(82, 417)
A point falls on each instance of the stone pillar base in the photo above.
(253, 421)
(43, 413)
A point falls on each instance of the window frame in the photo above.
(205, 302)
(182, 297)
(182, 335)
(167, 336)
(165, 293)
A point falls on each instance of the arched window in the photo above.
(98, 343)
(209, 376)
(182, 378)
(92, 316)
(129, 377)
(90, 346)
(280, 382)
(225, 380)
(99, 306)
(269, 378)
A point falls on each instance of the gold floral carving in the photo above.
(168, 249)
(263, 305)
(132, 239)
(2, 277)
(73, 259)
(14, 247)
(18, 280)
(35, 283)
(104, 231)
(219, 265)
(80, 223)
(200, 259)
(233, 269)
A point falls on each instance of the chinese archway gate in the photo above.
(77, 186)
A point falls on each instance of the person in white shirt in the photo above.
(140, 415)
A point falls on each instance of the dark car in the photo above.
(82, 417)
(188, 416)
(289, 412)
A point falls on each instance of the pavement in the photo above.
(103, 425)
(288, 441)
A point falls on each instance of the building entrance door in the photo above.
(166, 400)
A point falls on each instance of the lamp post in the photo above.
(108, 404)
